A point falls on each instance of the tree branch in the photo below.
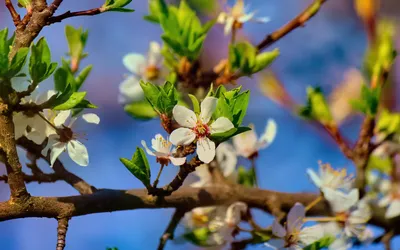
(61, 233)
(15, 17)
(169, 231)
(298, 21)
(68, 14)
(39, 178)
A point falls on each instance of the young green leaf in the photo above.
(198, 236)
(317, 107)
(17, 62)
(40, 65)
(141, 110)
(75, 99)
(116, 5)
(4, 51)
(195, 102)
(321, 243)
(246, 177)
(139, 166)
(221, 137)
(77, 39)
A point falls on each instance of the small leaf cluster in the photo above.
(388, 123)
(368, 104)
(322, 243)
(245, 58)
(246, 177)
(316, 107)
(139, 166)
(116, 5)
(10, 69)
(67, 81)
(232, 104)
(184, 34)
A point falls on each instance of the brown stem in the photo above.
(155, 183)
(69, 14)
(298, 21)
(39, 178)
(62, 229)
(16, 18)
(387, 238)
(169, 231)
(8, 151)
(334, 132)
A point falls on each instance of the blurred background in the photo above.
(321, 53)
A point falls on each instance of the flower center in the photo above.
(152, 72)
(199, 219)
(201, 130)
(342, 217)
(65, 134)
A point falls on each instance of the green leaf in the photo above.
(316, 107)
(40, 65)
(25, 3)
(116, 5)
(368, 104)
(139, 166)
(77, 39)
(18, 62)
(240, 107)
(221, 137)
(85, 104)
(321, 244)
(388, 123)
(246, 177)
(4, 51)
(157, 8)
(141, 110)
(198, 236)
(60, 79)
(195, 102)
(72, 102)
(151, 92)
(263, 60)
(81, 78)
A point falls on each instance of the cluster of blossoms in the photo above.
(49, 126)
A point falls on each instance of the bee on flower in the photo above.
(236, 16)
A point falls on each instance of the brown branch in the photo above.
(387, 238)
(54, 5)
(69, 14)
(334, 132)
(16, 18)
(60, 171)
(169, 231)
(39, 178)
(62, 229)
(298, 21)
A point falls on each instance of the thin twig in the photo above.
(254, 170)
(298, 21)
(15, 17)
(62, 233)
(334, 132)
(387, 238)
(39, 178)
(169, 231)
(69, 14)
(155, 183)
(54, 5)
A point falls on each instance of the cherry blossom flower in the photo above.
(236, 16)
(148, 69)
(64, 139)
(351, 213)
(163, 151)
(331, 178)
(221, 221)
(391, 200)
(39, 130)
(293, 236)
(199, 128)
(247, 145)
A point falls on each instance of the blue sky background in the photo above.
(318, 54)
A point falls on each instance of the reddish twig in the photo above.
(169, 231)
(68, 14)
(16, 18)
(62, 229)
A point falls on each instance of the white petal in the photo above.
(262, 19)
(184, 116)
(205, 150)
(135, 63)
(36, 136)
(226, 157)
(20, 124)
(208, 106)
(278, 230)
(314, 177)
(234, 213)
(308, 235)
(245, 143)
(339, 201)
(159, 144)
(154, 56)
(178, 161)
(45, 96)
(221, 125)
(91, 118)
(385, 201)
(182, 136)
(130, 91)
(56, 150)
(295, 217)
(61, 117)
(342, 243)
(246, 18)
(146, 148)
(222, 17)
(204, 176)
(276, 244)
(228, 25)
(269, 134)
(393, 210)
(78, 153)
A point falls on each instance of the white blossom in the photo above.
(148, 68)
(236, 16)
(39, 130)
(391, 200)
(64, 139)
(163, 151)
(220, 221)
(199, 128)
(293, 236)
(247, 144)
(331, 178)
